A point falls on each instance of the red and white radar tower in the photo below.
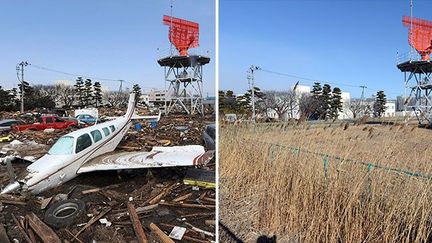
(183, 71)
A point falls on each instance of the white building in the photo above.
(304, 89)
(390, 108)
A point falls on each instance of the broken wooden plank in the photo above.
(199, 230)
(13, 202)
(162, 194)
(31, 235)
(21, 229)
(196, 215)
(162, 236)
(93, 220)
(139, 210)
(45, 202)
(136, 224)
(73, 236)
(41, 229)
(3, 235)
(88, 191)
(194, 240)
(181, 198)
(188, 205)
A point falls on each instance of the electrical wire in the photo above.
(321, 81)
(76, 75)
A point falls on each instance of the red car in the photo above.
(45, 122)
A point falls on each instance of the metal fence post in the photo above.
(325, 161)
(369, 179)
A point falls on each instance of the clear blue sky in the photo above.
(104, 38)
(343, 41)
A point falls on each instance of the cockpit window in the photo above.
(97, 135)
(84, 141)
(63, 146)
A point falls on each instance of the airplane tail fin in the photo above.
(131, 105)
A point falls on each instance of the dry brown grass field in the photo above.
(301, 196)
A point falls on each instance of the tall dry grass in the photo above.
(287, 194)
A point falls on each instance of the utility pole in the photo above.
(121, 85)
(20, 68)
(252, 78)
(363, 87)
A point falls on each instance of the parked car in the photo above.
(45, 122)
(86, 118)
(209, 136)
(5, 125)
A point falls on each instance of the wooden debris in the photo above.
(209, 199)
(138, 210)
(163, 193)
(181, 198)
(88, 191)
(31, 234)
(45, 202)
(196, 215)
(139, 231)
(3, 235)
(73, 236)
(21, 229)
(41, 229)
(190, 239)
(13, 202)
(93, 220)
(188, 205)
(199, 230)
(162, 236)
(210, 222)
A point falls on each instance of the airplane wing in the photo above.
(190, 155)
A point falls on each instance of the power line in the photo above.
(76, 75)
(321, 81)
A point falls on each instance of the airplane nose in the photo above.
(11, 188)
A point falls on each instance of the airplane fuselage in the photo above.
(68, 154)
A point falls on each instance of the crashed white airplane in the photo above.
(86, 149)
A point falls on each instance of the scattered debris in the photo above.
(64, 213)
(177, 233)
(162, 236)
(139, 231)
(110, 191)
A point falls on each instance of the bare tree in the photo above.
(308, 106)
(116, 98)
(281, 102)
(359, 107)
(61, 94)
(356, 107)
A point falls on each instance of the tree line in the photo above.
(84, 93)
(322, 103)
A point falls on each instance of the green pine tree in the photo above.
(137, 89)
(88, 92)
(79, 91)
(379, 104)
(336, 103)
(325, 101)
(97, 94)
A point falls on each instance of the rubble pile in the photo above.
(126, 206)
(158, 202)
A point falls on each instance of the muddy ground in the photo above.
(138, 187)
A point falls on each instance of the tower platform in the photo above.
(183, 61)
(415, 66)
